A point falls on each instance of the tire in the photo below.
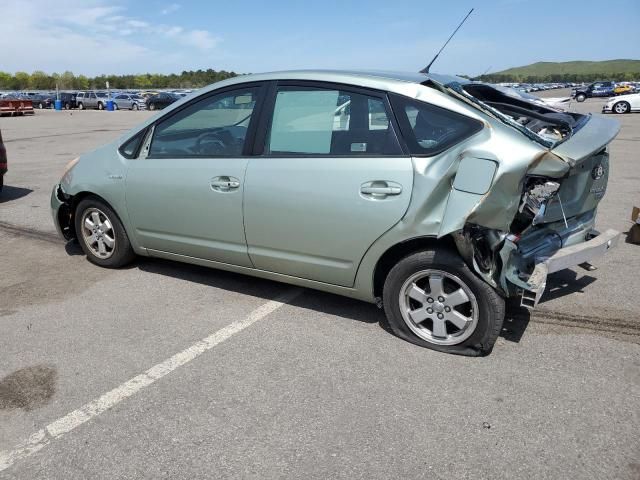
(621, 107)
(581, 97)
(135, 106)
(474, 305)
(67, 106)
(100, 106)
(40, 106)
(152, 106)
(115, 106)
(81, 106)
(110, 230)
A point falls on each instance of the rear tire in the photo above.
(621, 107)
(152, 106)
(432, 299)
(102, 235)
(100, 106)
(81, 106)
(135, 106)
(581, 97)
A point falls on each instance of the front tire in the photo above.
(102, 235)
(100, 106)
(81, 106)
(152, 106)
(432, 299)
(581, 97)
(621, 107)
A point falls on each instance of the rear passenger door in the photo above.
(329, 178)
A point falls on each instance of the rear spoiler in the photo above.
(592, 137)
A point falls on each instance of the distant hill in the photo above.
(622, 69)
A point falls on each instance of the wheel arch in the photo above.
(66, 215)
(397, 252)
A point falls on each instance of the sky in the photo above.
(93, 37)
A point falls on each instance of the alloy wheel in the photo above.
(98, 233)
(438, 307)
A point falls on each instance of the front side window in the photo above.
(215, 126)
(316, 121)
(429, 130)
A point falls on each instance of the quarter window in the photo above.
(429, 130)
(315, 121)
(213, 127)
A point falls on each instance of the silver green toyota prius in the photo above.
(435, 197)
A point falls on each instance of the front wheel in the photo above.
(431, 298)
(135, 106)
(581, 97)
(621, 107)
(100, 106)
(152, 106)
(102, 235)
(81, 106)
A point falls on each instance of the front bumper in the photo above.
(607, 109)
(61, 212)
(565, 258)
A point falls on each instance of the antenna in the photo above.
(426, 69)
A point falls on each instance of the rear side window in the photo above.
(429, 130)
(319, 121)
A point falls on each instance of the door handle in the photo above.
(380, 189)
(224, 183)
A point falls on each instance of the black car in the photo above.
(42, 100)
(68, 100)
(161, 100)
(3, 162)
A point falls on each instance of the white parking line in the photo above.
(65, 424)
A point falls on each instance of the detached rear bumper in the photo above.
(565, 258)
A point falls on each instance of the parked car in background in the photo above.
(3, 161)
(596, 89)
(125, 101)
(622, 89)
(92, 99)
(161, 100)
(68, 100)
(42, 100)
(433, 196)
(623, 104)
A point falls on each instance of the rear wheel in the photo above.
(581, 97)
(621, 107)
(431, 298)
(135, 106)
(40, 105)
(152, 106)
(81, 106)
(100, 106)
(102, 235)
(67, 106)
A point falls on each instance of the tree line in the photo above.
(561, 77)
(39, 80)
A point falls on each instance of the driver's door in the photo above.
(184, 192)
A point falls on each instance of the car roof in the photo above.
(379, 79)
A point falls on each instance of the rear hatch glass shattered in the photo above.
(539, 123)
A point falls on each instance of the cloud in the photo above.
(170, 9)
(97, 38)
(200, 39)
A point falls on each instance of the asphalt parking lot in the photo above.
(165, 370)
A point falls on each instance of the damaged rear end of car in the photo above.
(525, 206)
